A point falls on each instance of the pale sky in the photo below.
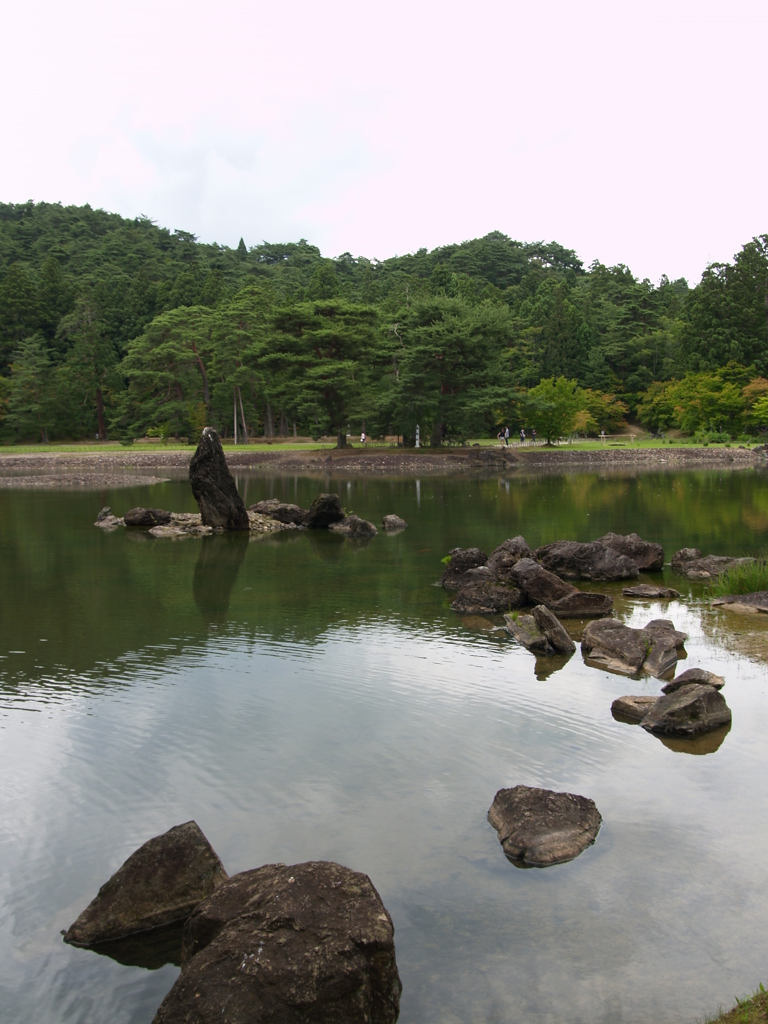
(631, 132)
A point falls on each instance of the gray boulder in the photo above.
(611, 645)
(690, 562)
(106, 521)
(214, 487)
(282, 511)
(487, 598)
(553, 630)
(147, 517)
(354, 526)
(632, 708)
(694, 675)
(461, 559)
(688, 711)
(162, 881)
(525, 630)
(754, 602)
(507, 555)
(324, 510)
(393, 522)
(539, 585)
(647, 556)
(650, 591)
(582, 604)
(306, 944)
(537, 827)
(574, 561)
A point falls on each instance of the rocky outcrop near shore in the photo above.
(538, 827)
(161, 882)
(303, 943)
(690, 562)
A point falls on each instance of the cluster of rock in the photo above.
(690, 562)
(160, 523)
(515, 576)
(691, 704)
(309, 942)
(325, 512)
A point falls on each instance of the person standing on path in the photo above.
(522, 436)
(506, 436)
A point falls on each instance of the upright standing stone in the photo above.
(214, 487)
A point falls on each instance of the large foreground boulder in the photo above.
(538, 827)
(690, 562)
(508, 554)
(214, 487)
(487, 598)
(163, 881)
(147, 517)
(354, 526)
(460, 561)
(543, 587)
(306, 944)
(611, 645)
(324, 510)
(688, 711)
(574, 561)
(282, 511)
(647, 556)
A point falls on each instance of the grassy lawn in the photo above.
(746, 1011)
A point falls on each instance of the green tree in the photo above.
(89, 378)
(29, 405)
(552, 406)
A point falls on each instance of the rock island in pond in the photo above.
(537, 827)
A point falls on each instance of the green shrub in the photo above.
(446, 560)
(741, 579)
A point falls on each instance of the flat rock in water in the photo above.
(214, 487)
(393, 522)
(690, 562)
(354, 526)
(147, 517)
(105, 520)
(162, 881)
(689, 711)
(282, 511)
(507, 555)
(647, 556)
(694, 675)
(635, 708)
(553, 630)
(487, 598)
(574, 561)
(539, 585)
(462, 559)
(650, 590)
(582, 604)
(611, 645)
(306, 944)
(526, 631)
(538, 827)
(324, 510)
(755, 602)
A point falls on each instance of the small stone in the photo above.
(324, 510)
(525, 630)
(694, 675)
(688, 711)
(552, 629)
(635, 708)
(507, 555)
(282, 511)
(650, 590)
(393, 522)
(538, 827)
(461, 559)
(583, 604)
(354, 526)
(147, 517)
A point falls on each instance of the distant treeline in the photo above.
(119, 328)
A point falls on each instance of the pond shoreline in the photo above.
(122, 468)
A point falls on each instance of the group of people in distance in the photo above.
(503, 436)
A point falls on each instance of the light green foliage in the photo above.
(552, 407)
(741, 579)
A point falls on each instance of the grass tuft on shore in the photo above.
(741, 579)
(749, 1010)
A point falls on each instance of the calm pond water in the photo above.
(304, 698)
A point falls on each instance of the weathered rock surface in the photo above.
(354, 526)
(694, 675)
(543, 587)
(754, 602)
(507, 555)
(162, 881)
(282, 511)
(324, 510)
(306, 944)
(214, 487)
(611, 645)
(393, 522)
(480, 574)
(690, 562)
(689, 711)
(526, 631)
(487, 598)
(574, 561)
(647, 556)
(147, 517)
(538, 827)
(462, 559)
(650, 590)
(553, 630)
(634, 708)
(582, 604)
(105, 520)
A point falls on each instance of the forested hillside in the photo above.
(119, 328)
